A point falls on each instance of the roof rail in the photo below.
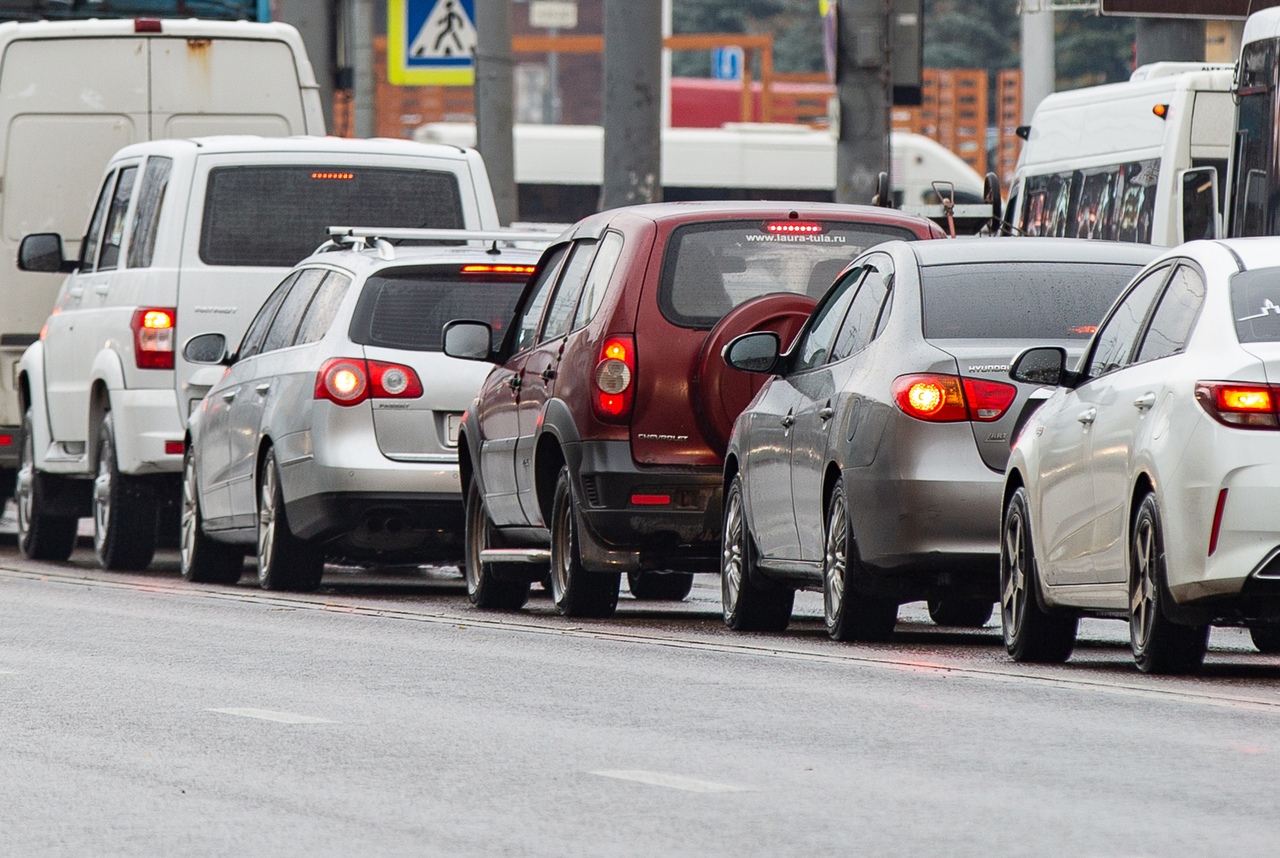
(401, 234)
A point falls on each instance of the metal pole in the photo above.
(551, 99)
(362, 89)
(1170, 40)
(864, 89)
(1039, 68)
(495, 102)
(632, 103)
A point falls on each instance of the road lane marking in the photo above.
(270, 715)
(662, 779)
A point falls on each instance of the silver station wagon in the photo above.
(332, 431)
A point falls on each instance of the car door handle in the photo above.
(788, 420)
(228, 395)
(263, 388)
(102, 288)
(75, 291)
(1088, 416)
(826, 413)
(548, 373)
(1145, 401)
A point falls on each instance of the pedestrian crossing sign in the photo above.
(431, 42)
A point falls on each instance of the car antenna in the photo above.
(494, 251)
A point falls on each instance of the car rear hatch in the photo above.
(398, 320)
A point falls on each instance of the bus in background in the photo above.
(559, 167)
(1142, 161)
(1253, 206)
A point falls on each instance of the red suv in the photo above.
(596, 443)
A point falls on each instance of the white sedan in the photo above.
(1147, 487)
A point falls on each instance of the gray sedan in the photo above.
(870, 465)
(333, 431)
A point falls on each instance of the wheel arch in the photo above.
(830, 477)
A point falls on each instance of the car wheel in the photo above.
(575, 591)
(964, 613)
(284, 561)
(660, 587)
(124, 509)
(493, 586)
(849, 614)
(1031, 634)
(751, 603)
(1159, 644)
(204, 560)
(41, 536)
(1266, 638)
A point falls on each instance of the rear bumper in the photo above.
(381, 524)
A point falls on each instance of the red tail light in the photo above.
(350, 381)
(153, 337)
(1217, 521)
(146, 25)
(615, 379)
(950, 399)
(1244, 406)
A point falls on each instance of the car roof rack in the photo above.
(380, 238)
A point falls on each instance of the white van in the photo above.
(74, 92)
(187, 237)
(1142, 161)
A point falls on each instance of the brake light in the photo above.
(498, 269)
(614, 377)
(350, 381)
(342, 177)
(940, 398)
(146, 25)
(1244, 406)
(793, 227)
(153, 337)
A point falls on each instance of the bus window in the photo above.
(1254, 170)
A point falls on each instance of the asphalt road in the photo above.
(383, 716)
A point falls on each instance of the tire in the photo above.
(964, 613)
(284, 561)
(41, 536)
(1159, 644)
(575, 591)
(124, 510)
(491, 586)
(1266, 638)
(204, 560)
(1031, 634)
(660, 587)
(751, 603)
(849, 614)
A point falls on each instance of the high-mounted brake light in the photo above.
(146, 25)
(940, 398)
(1244, 406)
(793, 227)
(615, 372)
(350, 381)
(153, 337)
(498, 269)
(329, 175)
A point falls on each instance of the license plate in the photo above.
(452, 423)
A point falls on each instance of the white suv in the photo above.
(187, 237)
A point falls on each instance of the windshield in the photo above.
(408, 308)
(1019, 300)
(711, 268)
(276, 215)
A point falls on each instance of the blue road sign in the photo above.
(431, 42)
(726, 63)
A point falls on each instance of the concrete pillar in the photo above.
(495, 102)
(1039, 66)
(864, 89)
(632, 103)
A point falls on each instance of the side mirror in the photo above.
(754, 352)
(42, 251)
(1042, 365)
(468, 340)
(206, 349)
(1198, 202)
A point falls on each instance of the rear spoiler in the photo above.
(360, 237)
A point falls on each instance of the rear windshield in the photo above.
(1255, 305)
(1019, 300)
(276, 215)
(407, 308)
(713, 267)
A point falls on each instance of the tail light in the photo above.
(1245, 406)
(615, 379)
(950, 399)
(153, 337)
(350, 381)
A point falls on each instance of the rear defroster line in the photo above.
(555, 627)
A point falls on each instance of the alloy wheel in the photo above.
(1142, 602)
(266, 521)
(562, 570)
(1013, 574)
(189, 522)
(102, 495)
(23, 493)
(732, 553)
(835, 560)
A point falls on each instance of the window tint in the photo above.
(407, 308)
(711, 268)
(277, 215)
(566, 297)
(1171, 322)
(1116, 202)
(257, 332)
(146, 217)
(598, 280)
(1019, 300)
(324, 306)
(860, 322)
(285, 325)
(1251, 214)
(1114, 344)
(528, 326)
(816, 347)
(1255, 305)
(113, 232)
(89, 248)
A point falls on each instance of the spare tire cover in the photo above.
(722, 392)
